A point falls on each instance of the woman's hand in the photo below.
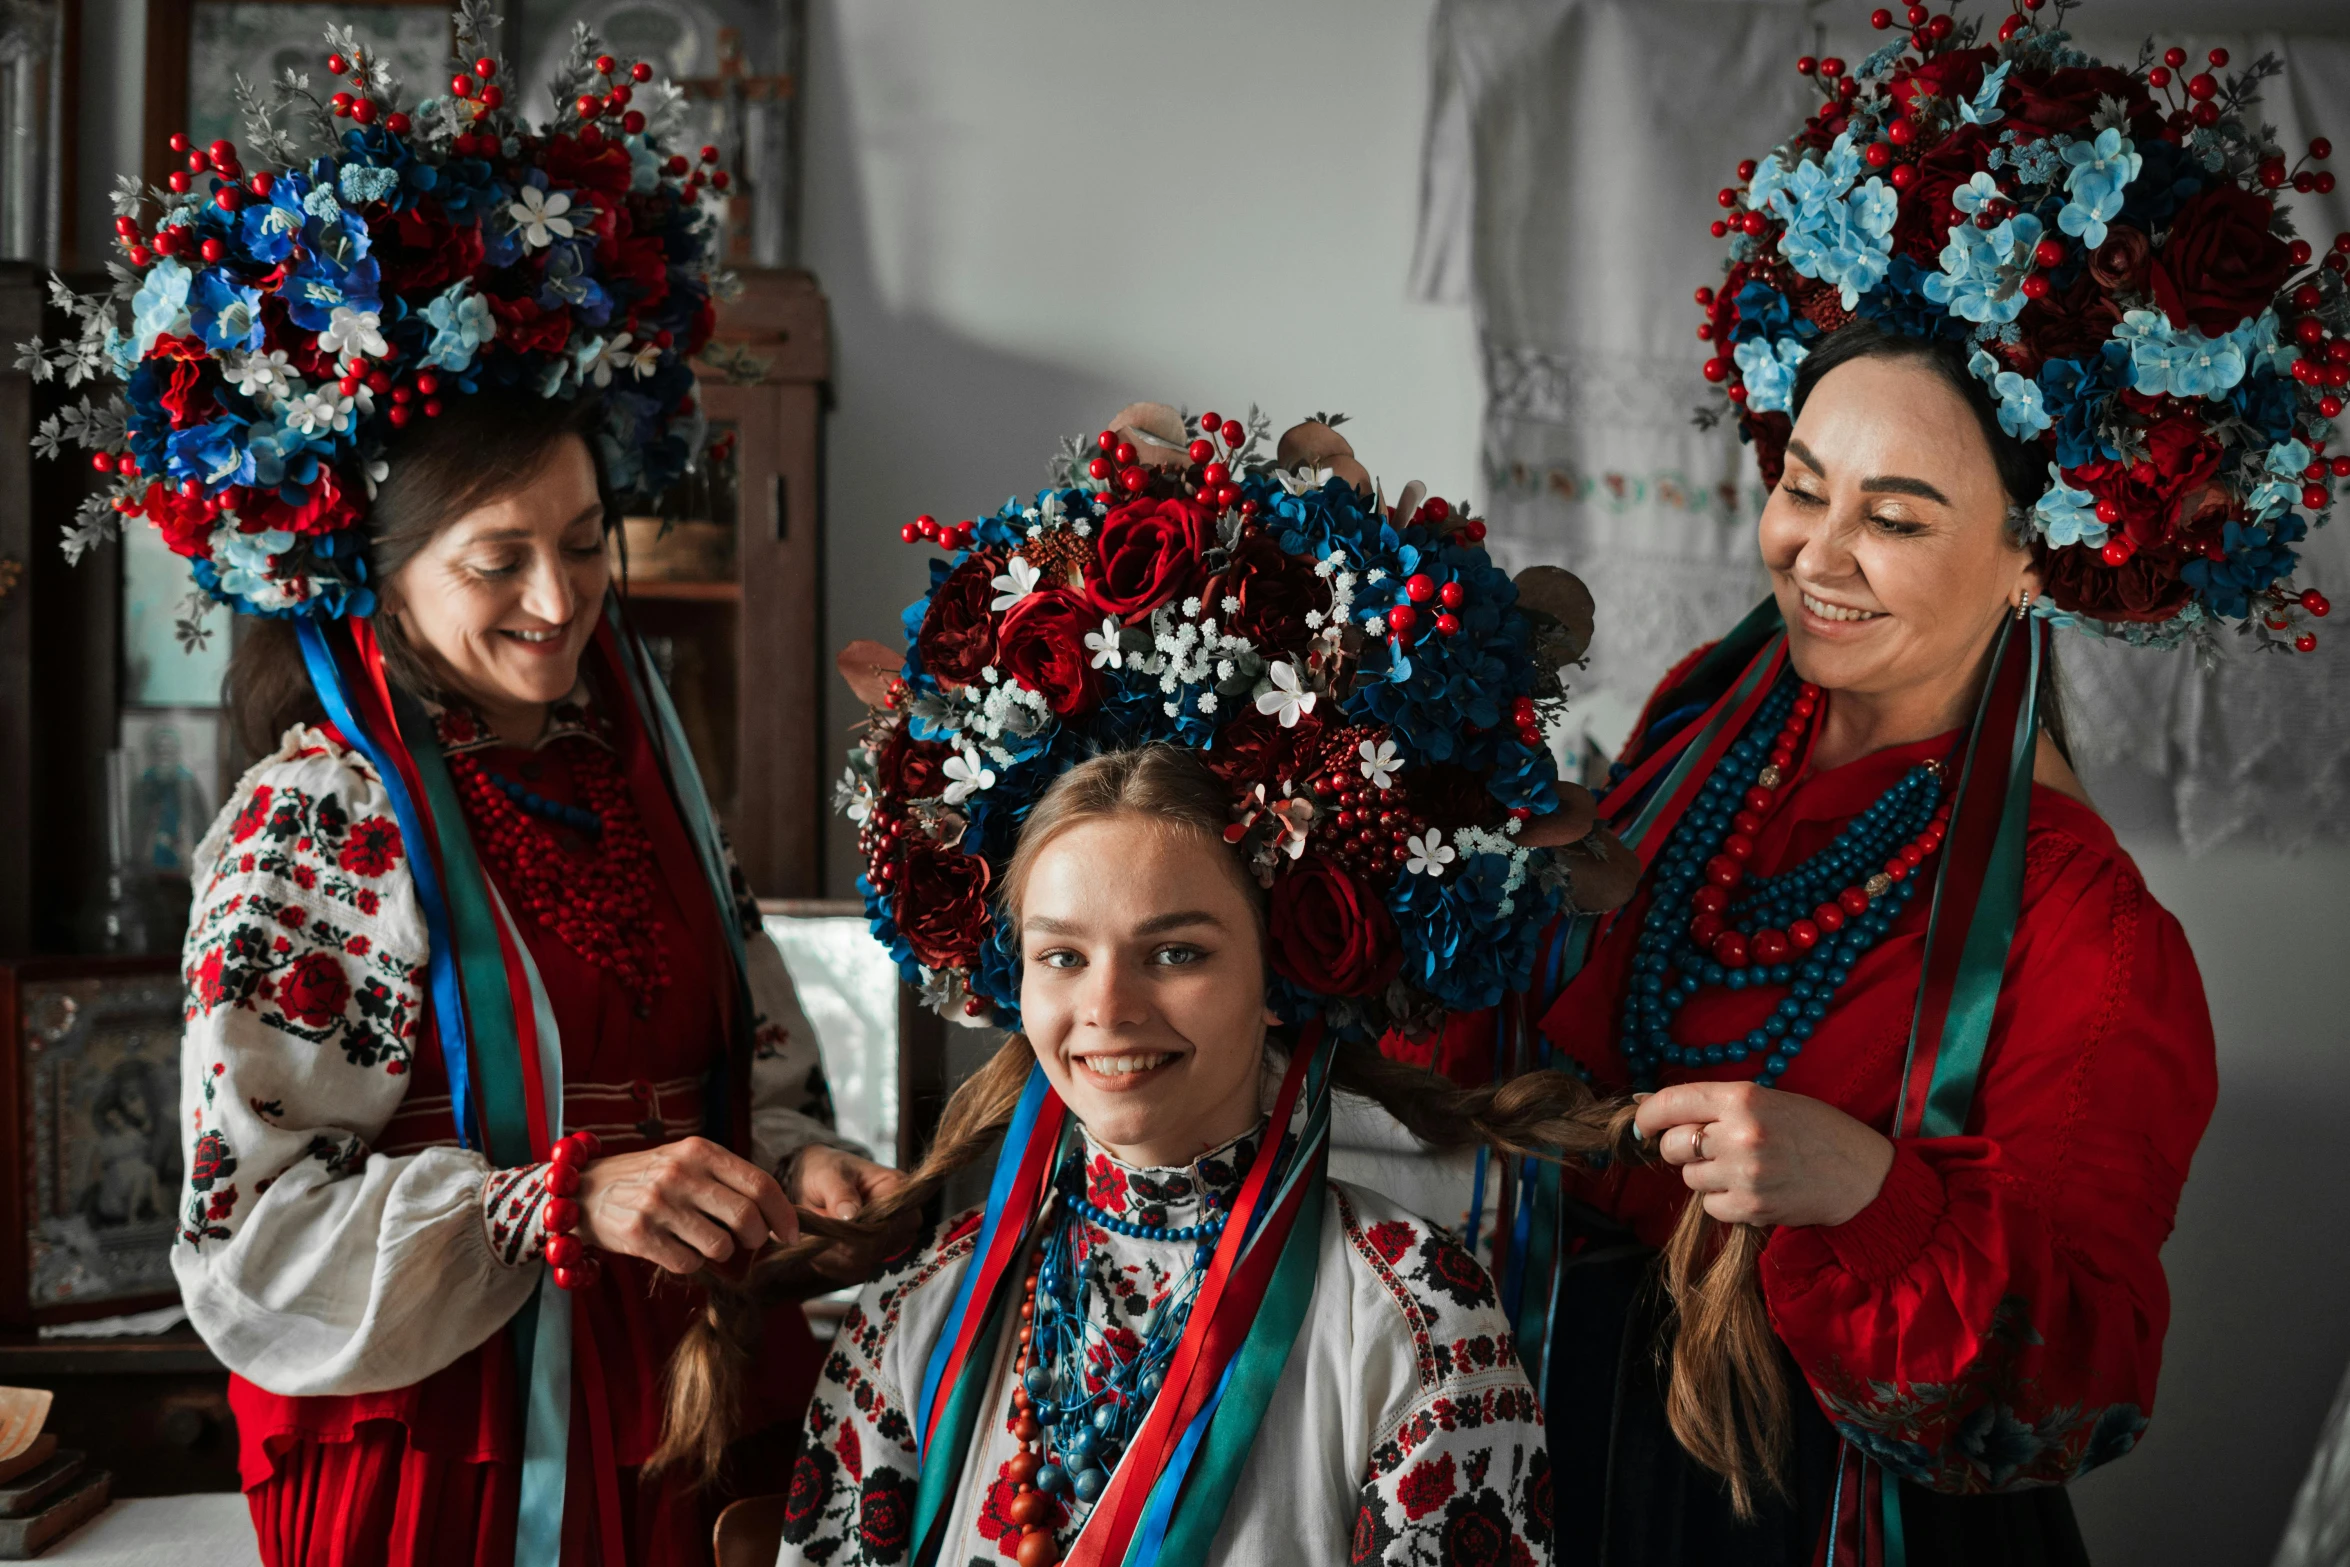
(683, 1206)
(832, 1181)
(1762, 1156)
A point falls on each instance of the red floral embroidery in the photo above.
(1105, 1185)
(249, 819)
(314, 991)
(852, 1455)
(372, 849)
(1392, 1239)
(1428, 1486)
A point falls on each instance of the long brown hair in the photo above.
(1728, 1403)
(483, 447)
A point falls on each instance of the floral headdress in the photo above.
(273, 329)
(2109, 246)
(1370, 686)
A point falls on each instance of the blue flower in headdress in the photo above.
(1899, 304)
(570, 280)
(1835, 233)
(2168, 178)
(1465, 938)
(2178, 361)
(461, 322)
(2021, 414)
(2101, 170)
(393, 172)
(1983, 270)
(317, 285)
(2064, 515)
(467, 189)
(269, 229)
(213, 452)
(225, 314)
(1764, 312)
(2076, 394)
(161, 304)
(1769, 371)
(1984, 108)
(2268, 402)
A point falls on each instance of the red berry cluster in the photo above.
(575, 1263)
(1732, 949)
(928, 529)
(1360, 826)
(1209, 479)
(598, 900)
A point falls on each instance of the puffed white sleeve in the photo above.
(791, 1101)
(310, 1263)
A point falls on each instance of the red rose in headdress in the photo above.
(429, 251)
(942, 904)
(640, 261)
(524, 327)
(1276, 590)
(1042, 645)
(326, 509)
(606, 170)
(1148, 552)
(1331, 934)
(2120, 263)
(2064, 100)
(2181, 457)
(2221, 266)
(912, 769)
(184, 523)
(957, 639)
(2070, 325)
(1951, 75)
(1922, 222)
(2145, 587)
(1254, 748)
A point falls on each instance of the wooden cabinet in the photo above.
(743, 651)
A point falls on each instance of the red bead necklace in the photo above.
(598, 900)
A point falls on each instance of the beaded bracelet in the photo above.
(574, 1263)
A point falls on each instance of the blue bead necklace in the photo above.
(1085, 1432)
(1710, 925)
(584, 822)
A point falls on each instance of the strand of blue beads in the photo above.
(1087, 1430)
(585, 822)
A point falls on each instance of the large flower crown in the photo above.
(273, 330)
(2107, 244)
(1369, 685)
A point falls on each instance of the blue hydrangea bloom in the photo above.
(1769, 371)
(1983, 270)
(2100, 171)
(1983, 108)
(2178, 361)
(1838, 234)
(362, 183)
(2065, 515)
(461, 322)
(2020, 411)
(161, 305)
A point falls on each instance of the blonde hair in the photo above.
(1727, 1401)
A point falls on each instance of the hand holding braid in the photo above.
(1728, 1403)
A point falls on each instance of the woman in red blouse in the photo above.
(1979, 1316)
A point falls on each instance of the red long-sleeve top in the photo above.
(1994, 1318)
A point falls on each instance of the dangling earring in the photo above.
(2023, 606)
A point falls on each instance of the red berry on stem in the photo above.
(1215, 474)
(2035, 285)
(179, 141)
(2174, 57)
(461, 86)
(640, 72)
(485, 67)
(2049, 252)
(709, 155)
(718, 180)
(1451, 595)
(1880, 19)
(1805, 65)
(1123, 453)
(213, 250)
(633, 121)
(1201, 451)
(606, 65)
(364, 111)
(493, 96)
(336, 65)
(1232, 432)
(2316, 497)
(2316, 603)
(1419, 587)
(397, 124)
(587, 104)
(178, 182)
(1717, 369)
(1448, 625)
(2218, 59)
(2158, 77)
(1133, 478)
(1401, 619)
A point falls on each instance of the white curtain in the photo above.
(1572, 157)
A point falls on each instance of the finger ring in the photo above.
(1696, 1144)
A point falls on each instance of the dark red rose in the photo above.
(1331, 934)
(2119, 264)
(912, 769)
(811, 1488)
(606, 170)
(957, 639)
(1477, 1532)
(1042, 645)
(212, 1162)
(2181, 457)
(1921, 224)
(372, 848)
(642, 263)
(942, 904)
(314, 992)
(2221, 266)
(1148, 552)
(524, 327)
(2070, 325)
(2064, 100)
(427, 250)
(1952, 75)
(1276, 589)
(2146, 587)
(324, 509)
(1451, 796)
(885, 1516)
(1426, 1486)
(1254, 748)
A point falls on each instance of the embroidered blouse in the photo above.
(1994, 1319)
(334, 1239)
(1402, 1430)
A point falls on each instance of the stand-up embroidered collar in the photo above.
(1167, 1195)
(462, 729)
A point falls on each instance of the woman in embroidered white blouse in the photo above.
(1401, 1428)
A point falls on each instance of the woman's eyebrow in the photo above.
(1156, 925)
(1878, 484)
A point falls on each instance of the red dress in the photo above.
(1994, 1318)
(430, 1473)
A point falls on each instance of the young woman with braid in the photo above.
(1401, 1428)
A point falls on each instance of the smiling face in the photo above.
(1142, 985)
(1886, 539)
(501, 602)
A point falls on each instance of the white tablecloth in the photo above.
(215, 1530)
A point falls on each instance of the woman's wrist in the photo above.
(1891, 1230)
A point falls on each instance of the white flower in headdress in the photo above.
(539, 216)
(1103, 645)
(599, 357)
(967, 775)
(1430, 854)
(375, 473)
(1017, 581)
(263, 377)
(315, 413)
(1379, 763)
(1287, 697)
(1304, 479)
(854, 798)
(353, 333)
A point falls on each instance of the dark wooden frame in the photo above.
(170, 27)
(16, 1174)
